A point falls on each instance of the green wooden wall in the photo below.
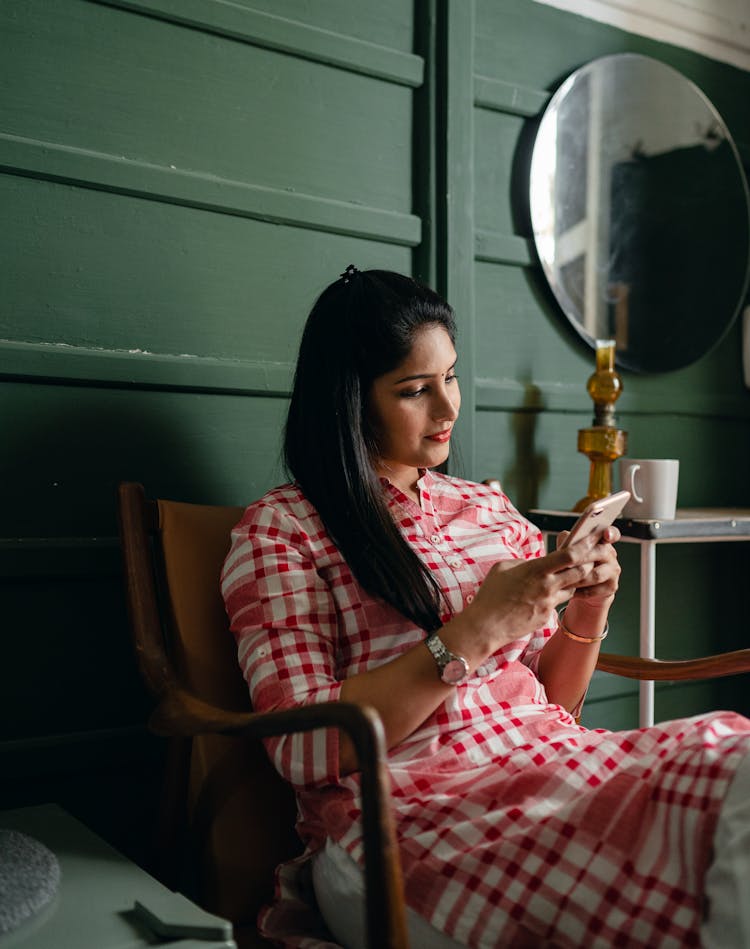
(178, 181)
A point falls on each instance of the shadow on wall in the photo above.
(523, 480)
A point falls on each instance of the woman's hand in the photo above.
(518, 597)
(600, 586)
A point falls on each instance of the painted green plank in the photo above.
(142, 91)
(502, 146)
(459, 195)
(428, 183)
(66, 448)
(189, 373)
(87, 169)
(389, 23)
(497, 248)
(284, 35)
(96, 271)
(509, 97)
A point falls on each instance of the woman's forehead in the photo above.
(431, 347)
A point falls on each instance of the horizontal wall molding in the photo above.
(61, 361)
(496, 248)
(50, 362)
(508, 395)
(285, 36)
(59, 557)
(103, 172)
(500, 96)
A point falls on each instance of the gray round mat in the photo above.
(29, 878)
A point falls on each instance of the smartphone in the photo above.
(596, 516)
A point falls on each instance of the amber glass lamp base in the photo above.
(603, 443)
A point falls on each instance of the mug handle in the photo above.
(631, 478)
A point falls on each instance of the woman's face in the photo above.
(412, 409)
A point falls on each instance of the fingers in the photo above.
(604, 578)
(610, 535)
(590, 567)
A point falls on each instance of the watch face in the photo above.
(454, 671)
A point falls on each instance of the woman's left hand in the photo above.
(601, 584)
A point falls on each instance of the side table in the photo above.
(104, 901)
(690, 526)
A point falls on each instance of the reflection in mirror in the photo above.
(639, 208)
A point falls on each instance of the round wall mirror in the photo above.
(639, 208)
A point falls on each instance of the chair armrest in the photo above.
(182, 714)
(708, 667)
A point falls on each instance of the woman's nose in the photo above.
(447, 406)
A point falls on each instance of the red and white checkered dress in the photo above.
(508, 813)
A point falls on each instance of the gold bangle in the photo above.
(579, 639)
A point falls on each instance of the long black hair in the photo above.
(362, 326)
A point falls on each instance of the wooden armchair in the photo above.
(226, 813)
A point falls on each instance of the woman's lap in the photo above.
(339, 884)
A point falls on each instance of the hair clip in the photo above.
(350, 272)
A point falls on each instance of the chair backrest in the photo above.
(237, 814)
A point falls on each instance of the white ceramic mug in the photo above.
(652, 483)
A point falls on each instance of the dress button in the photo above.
(455, 562)
(436, 539)
(470, 598)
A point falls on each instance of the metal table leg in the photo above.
(648, 628)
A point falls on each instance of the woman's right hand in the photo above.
(518, 596)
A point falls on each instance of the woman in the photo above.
(374, 579)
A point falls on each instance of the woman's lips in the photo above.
(440, 436)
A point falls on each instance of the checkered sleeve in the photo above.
(283, 617)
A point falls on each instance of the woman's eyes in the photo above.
(415, 393)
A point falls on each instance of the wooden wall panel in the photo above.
(146, 276)
(67, 447)
(387, 23)
(152, 92)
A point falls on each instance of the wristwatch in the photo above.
(453, 669)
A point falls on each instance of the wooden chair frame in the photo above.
(178, 714)
(182, 715)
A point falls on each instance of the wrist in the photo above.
(586, 617)
(467, 639)
(576, 637)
